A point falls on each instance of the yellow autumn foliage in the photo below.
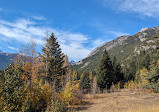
(143, 74)
(38, 96)
(77, 86)
(132, 85)
(69, 95)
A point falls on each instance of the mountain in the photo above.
(5, 59)
(123, 48)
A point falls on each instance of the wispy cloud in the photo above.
(143, 7)
(118, 34)
(39, 18)
(73, 43)
(98, 42)
(21, 30)
(24, 30)
(13, 48)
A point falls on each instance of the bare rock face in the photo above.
(144, 33)
(78, 63)
(109, 45)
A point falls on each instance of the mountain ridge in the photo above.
(5, 59)
(123, 47)
(117, 47)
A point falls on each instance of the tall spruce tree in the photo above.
(105, 72)
(117, 71)
(53, 59)
(84, 81)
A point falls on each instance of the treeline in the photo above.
(108, 73)
(141, 73)
(143, 69)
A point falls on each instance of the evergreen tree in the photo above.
(153, 75)
(84, 81)
(13, 86)
(118, 75)
(53, 59)
(131, 70)
(105, 72)
(1, 78)
(78, 75)
(145, 62)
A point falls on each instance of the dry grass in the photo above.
(121, 102)
(146, 109)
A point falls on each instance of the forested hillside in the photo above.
(124, 48)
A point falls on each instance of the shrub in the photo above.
(70, 95)
(36, 97)
(56, 106)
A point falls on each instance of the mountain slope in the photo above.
(124, 48)
(5, 59)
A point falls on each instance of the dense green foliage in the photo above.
(13, 86)
(153, 75)
(105, 76)
(84, 81)
(109, 72)
(117, 71)
(53, 59)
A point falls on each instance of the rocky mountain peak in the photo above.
(144, 33)
(109, 45)
(143, 29)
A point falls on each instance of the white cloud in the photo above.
(24, 30)
(13, 48)
(98, 42)
(118, 34)
(72, 44)
(39, 18)
(143, 7)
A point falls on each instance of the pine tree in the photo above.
(105, 72)
(53, 59)
(84, 81)
(117, 72)
(131, 69)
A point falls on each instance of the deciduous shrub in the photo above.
(70, 95)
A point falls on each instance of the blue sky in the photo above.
(79, 25)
